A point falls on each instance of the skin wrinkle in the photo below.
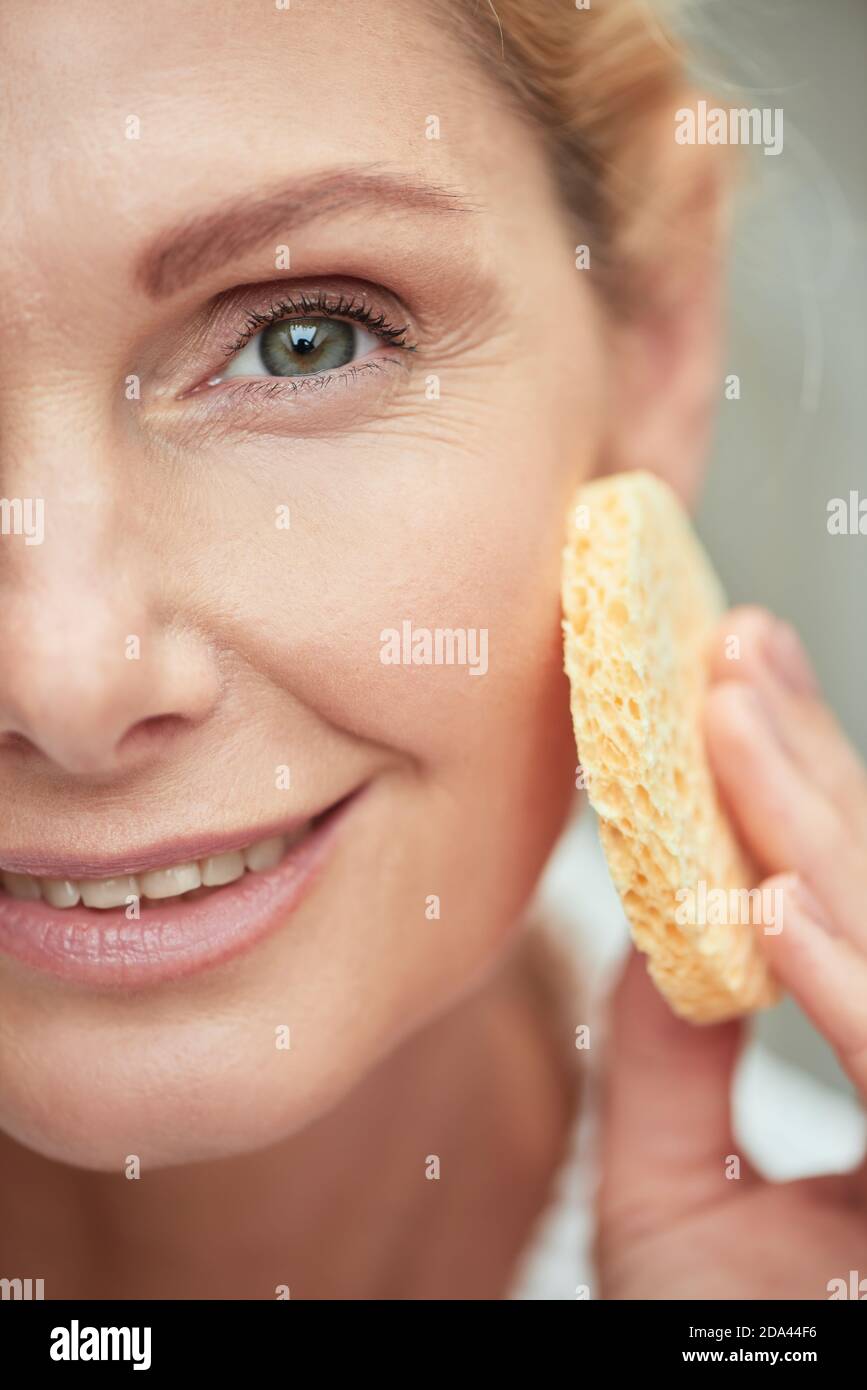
(445, 509)
(410, 1035)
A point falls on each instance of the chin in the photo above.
(190, 1096)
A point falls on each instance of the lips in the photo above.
(154, 884)
(169, 934)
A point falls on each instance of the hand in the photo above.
(672, 1225)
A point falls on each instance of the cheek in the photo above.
(466, 813)
(454, 523)
(451, 518)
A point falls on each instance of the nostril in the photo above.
(95, 717)
(156, 726)
(17, 742)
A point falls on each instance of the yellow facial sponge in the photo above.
(640, 601)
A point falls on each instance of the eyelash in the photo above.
(265, 387)
(336, 307)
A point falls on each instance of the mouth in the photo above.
(160, 914)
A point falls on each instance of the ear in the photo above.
(666, 336)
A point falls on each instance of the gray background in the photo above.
(797, 340)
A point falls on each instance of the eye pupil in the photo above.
(303, 336)
(296, 347)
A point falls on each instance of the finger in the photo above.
(785, 820)
(824, 971)
(753, 646)
(665, 1134)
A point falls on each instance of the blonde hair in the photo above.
(592, 81)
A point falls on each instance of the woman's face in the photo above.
(194, 657)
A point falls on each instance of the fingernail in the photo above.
(789, 659)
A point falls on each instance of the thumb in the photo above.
(665, 1119)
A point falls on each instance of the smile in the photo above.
(149, 922)
(154, 885)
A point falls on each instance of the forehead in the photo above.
(123, 107)
(96, 58)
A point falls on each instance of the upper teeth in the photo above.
(169, 882)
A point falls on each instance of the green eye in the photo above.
(310, 345)
(301, 347)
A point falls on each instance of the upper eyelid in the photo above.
(321, 305)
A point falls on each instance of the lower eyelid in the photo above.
(272, 386)
(349, 398)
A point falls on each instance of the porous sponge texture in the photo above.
(640, 601)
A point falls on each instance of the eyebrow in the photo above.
(203, 243)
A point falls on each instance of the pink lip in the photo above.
(178, 851)
(171, 938)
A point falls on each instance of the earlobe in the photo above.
(666, 343)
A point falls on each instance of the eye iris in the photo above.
(300, 346)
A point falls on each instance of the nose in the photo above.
(93, 699)
(94, 678)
